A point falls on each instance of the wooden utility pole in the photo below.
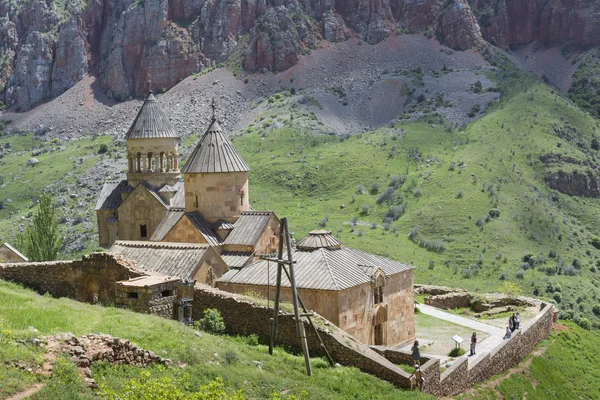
(300, 332)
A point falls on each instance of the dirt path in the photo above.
(27, 393)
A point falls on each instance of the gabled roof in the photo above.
(236, 259)
(151, 122)
(168, 222)
(204, 228)
(150, 189)
(248, 228)
(214, 153)
(179, 199)
(321, 269)
(318, 239)
(172, 259)
(16, 252)
(167, 189)
(110, 196)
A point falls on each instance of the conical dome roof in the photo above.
(317, 240)
(214, 153)
(151, 122)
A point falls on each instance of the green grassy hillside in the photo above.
(62, 170)
(469, 207)
(196, 361)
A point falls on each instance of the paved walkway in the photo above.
(483, 347)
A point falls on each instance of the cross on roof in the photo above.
(214, 107)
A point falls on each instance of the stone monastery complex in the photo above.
(196, 223)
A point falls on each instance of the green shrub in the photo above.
(165, 388)
(374, 188)
(557, 297)
(252, 339)
(455, 352)
(212, 321)
(103, 149)
(585, 323)
(596, 242)
(494, 213)
(231, 357)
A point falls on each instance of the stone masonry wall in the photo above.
(460, 375)
(149, 299)
(242, 316)
(91, 279)
(449, 301)
(511, 352)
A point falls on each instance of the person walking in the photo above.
(418, 378)
(473, 343)
(517, 321)
(511, 322)
(416, 354)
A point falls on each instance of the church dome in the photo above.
(318, 239)
(151, 122)
(215, 153)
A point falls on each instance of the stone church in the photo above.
(196, 223)
(368, 296)
(206, 202)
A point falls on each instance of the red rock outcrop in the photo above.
(457, 26)
(47, 46)
(576, 21)
(524, 21)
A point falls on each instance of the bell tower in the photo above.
(152, 144)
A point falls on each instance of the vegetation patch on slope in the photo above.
(470, 208)
(197, 360)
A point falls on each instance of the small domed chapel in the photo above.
(196, 223)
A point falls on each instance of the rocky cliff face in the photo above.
(553, 22)
(46, 46)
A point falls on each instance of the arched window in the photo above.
(138, 162)
(151, 165)
(378, 280)
(162, 161)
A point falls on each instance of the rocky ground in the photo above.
(549, 62)
(373, 81)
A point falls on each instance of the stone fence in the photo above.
(93, 279)
(243, 316)
(460, 376)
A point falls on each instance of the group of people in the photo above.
(514, 322)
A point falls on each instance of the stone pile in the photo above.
(98, 347)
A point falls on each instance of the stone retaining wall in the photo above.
(91, 279)
(449, 301)
(94, 279)
(243, 316)
(399, 356)
(461, 376)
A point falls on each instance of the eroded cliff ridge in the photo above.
(48, 46)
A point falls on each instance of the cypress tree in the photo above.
(41, 241)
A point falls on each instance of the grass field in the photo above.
(465, 206)
(205, 358)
